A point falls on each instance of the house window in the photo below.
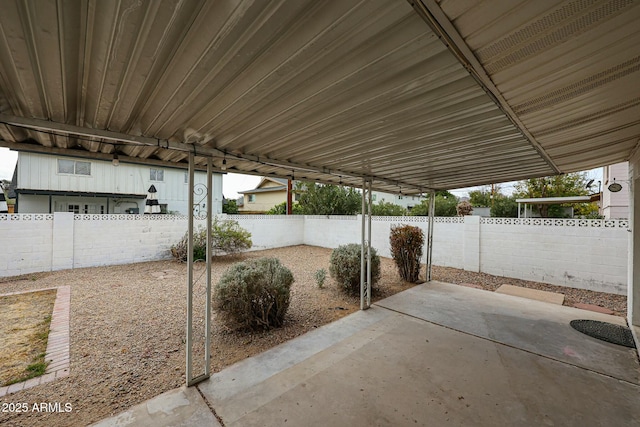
(156, 175)
(297, 197)
(252, 198)
(74, 208)
(74, 167)
(399, 197)
(374, 197)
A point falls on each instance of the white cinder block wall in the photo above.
(26, 242)
(588, 254)
(576, 253)
(272, 231)
(330, 232)
(123, 239)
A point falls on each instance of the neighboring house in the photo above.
(269, 193)
(407, 202)
(273, 191)
(46, 183)
(615, 205)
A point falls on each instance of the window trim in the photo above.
(155, 179)
(75, 168)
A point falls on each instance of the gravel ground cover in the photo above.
(615, 303)
(128, 327)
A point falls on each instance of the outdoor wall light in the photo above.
(115, 161)
(224, 164)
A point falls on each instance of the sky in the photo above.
(233, 182)
(8, 161)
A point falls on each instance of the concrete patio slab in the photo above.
(529, 325)
(536, 294)
(436, 354)
(417, 373)
(182, 407)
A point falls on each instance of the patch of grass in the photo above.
(34, 370)
(24, 321)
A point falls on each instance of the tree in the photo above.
(229, 206)
(445, 205)
(326, 199)
(480, 198)
(587, 210)
(387, 209)
(504, 207)
(281, 209)
(571, 184)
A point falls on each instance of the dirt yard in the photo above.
(128, 328)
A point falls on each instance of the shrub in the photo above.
(387, 209)
(406, 249)
(345, 267)
(321, 276)
(254, 294)
(281, 209)
(179, 250)
(227, 237)
(464, 208)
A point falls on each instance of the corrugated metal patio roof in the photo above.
(415, 95)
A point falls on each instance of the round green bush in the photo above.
(226, 237)
(344, 267)
(254, 294)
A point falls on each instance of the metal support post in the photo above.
(196, 208)
(189, 341)
(207, 325)
(432, 208)
(369, 201)
(365, 251)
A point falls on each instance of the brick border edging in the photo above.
(57, 344)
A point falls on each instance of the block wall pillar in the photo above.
(471, 245)
(62, 251)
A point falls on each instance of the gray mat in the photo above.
(615, 334)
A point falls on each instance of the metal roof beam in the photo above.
(84, 154)
(49, 126)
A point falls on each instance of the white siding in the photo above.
(616, 205)
(404, 201)
(40, 172)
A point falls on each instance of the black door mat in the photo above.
(615, 334)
